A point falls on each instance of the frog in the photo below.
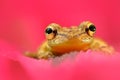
(63, 40)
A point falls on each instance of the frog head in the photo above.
(76, 38)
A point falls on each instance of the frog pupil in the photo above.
(92, 28)
(49, 30)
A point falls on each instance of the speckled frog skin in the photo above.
(61, 40)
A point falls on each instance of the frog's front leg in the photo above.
(45, 55)
(44, 52)
(41, 55)
(100, 45)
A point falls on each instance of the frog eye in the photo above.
(48, 30)
(50, 33)
(91, 29)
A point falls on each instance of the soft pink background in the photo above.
(22, 25)
(23, 21)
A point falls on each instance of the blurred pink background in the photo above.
(23, 21)
(22, 24)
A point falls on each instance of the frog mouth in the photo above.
(68, 46)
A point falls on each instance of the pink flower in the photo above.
(22, 29)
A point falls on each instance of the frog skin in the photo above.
(61, 40)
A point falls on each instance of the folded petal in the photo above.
(79, 66)
(10, 67)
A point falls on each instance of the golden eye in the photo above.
(50, 33)
(90, 29)
(51, 30)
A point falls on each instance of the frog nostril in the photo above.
(88, 38)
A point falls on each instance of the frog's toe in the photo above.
(46, 55)
(108, 50)
(31, 55)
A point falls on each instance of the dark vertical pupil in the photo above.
(49, 30)
(92, 28)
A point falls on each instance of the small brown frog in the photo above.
(61, 40)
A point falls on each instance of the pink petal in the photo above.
(85, 66)
(10, 67)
